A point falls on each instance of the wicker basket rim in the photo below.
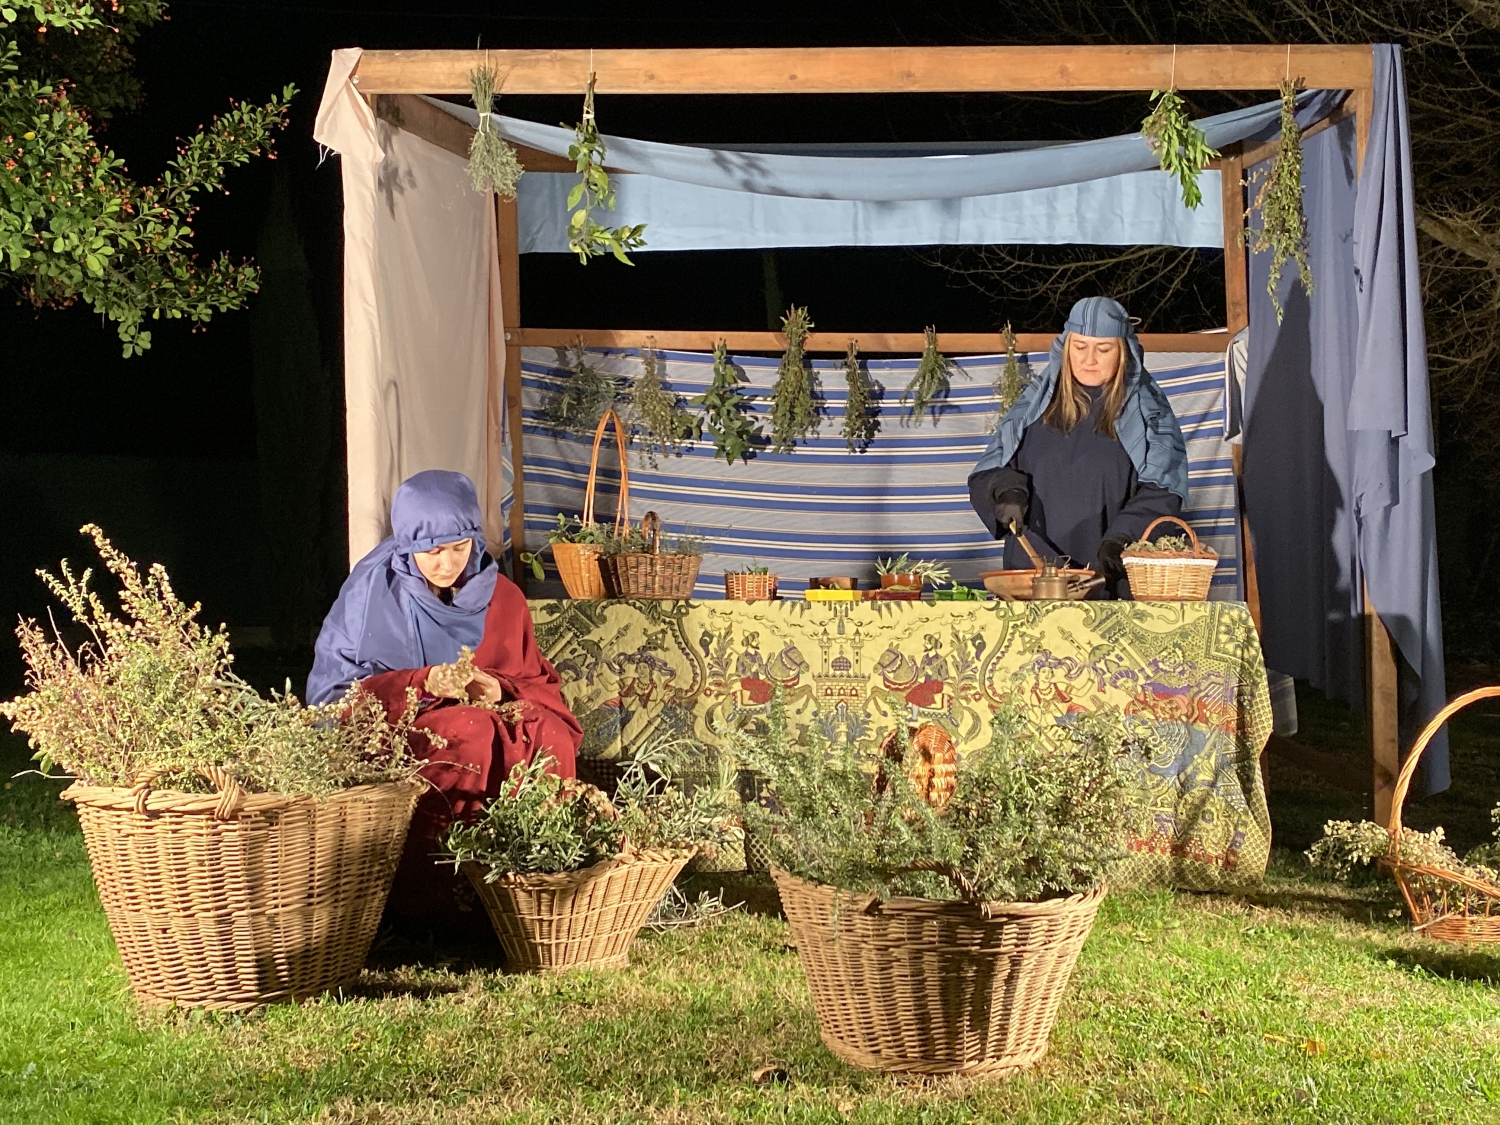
(555, 880)
(1208, 555)
(176, 801)
(978, 912)
(1401, 866)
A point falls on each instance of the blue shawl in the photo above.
(385, 617)
(1147, 428)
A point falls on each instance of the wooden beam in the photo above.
(1236, 269)
(952, 343)
(871, 70)
(1382, 709)
(510, 311)
(423, 119)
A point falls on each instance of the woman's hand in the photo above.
(484, 687)
(448, 681)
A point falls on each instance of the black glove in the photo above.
(1108, 563)
(1010, 509)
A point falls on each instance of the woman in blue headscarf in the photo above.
(404, 612)
(1088, 455)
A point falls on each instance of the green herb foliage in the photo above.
(1347, 848)
(930, 571)
(656, 413)
(492, 163)
(860, 421)
(725, 410)
(574, 530)
(929, 385)
(1283, 229)
(1180, 145)
(1009, 385)
(587, 238)
(584, 397)
(794, 408)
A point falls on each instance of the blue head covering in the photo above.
(386, 618)
(1146, 427)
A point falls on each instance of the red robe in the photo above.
(482, 747)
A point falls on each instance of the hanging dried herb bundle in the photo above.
(1009, 385)
(860, 422)
(587, 238)
(1283, 223)
(794, 409)
(929, 386)
(492, 163)
(725, 413)
(657, 413)
(582, 400)
(1181, 145)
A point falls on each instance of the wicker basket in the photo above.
(929, 987)
(234, 900)
(577, 920)
(1444, 905)
(649, 573)
(741, 586)
(1157, 576)
(578, 563)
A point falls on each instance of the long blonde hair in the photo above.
(1070, 402)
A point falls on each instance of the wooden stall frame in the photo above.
(389, 78)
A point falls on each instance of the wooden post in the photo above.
(1236, 267)
(510, 309)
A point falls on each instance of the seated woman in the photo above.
(1088, 455)
(399, 622)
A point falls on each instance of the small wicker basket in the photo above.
(742, 586)
(579, 919)
(1444, 905)
(649, 573)
(924, 986)
(1165, 576)
(578, 563)
(233, 900)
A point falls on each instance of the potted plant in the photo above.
(242, 846)
(938, 906)
(754, 583)
(569, 877)
(906, 572)
(576, 546)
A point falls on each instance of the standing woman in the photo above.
(1088, 455)
(403, 614)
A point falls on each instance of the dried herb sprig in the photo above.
(794, 408)
(657, 413)
(1009, 385)
(587, 238)
(929, 386)
(1283, 229)
(492, 163)
(1181, 146)
(860, 421)
(582, 400)
(725, 410)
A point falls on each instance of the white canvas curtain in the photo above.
(422, 365)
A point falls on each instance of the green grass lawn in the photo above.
(1305, 1002)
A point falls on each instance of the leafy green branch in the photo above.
(587, 238)
(725, 410)
(794, 407)
(1283, 222)
(1180, 145)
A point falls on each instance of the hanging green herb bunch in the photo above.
(582, 400)
(1283, 222)
(1009, 385)
(794, 408)
(725, 410)
(860, 422)
(492, 163)
(657, 413)
(929, 386)
(587, 238)
(1181, 145)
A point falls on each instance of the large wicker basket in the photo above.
(1444, 905)
(577, 920)
(649, 573)
(928, 987)
(578, 563)
(1162, 576)
(234, 900)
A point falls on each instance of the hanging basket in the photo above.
(1444, 905)
(649, 573)
(578, 563)
(235, 900)
(923, 986)
(742, 586)
(580, 919)
(1170, 576)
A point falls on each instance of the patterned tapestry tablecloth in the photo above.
(634, 671)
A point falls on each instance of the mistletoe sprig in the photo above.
(1181, 146)
(1283, 222)
(493, 165)
(860, 422)
(794, 407)
(725, 410)
(587, 238)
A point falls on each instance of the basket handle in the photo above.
(622, 509)
(231, 796)
(1409, 767)
(1192, 535)
(651, 529)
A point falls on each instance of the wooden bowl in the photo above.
(838, 582)
(1016, 584)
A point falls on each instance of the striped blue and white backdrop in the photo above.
(821, 510)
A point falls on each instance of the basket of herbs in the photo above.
(636, 565)
(569, 877)
(576, 547)
(243, 847)
(754, 583)
(938, 907)
(1171, 567)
